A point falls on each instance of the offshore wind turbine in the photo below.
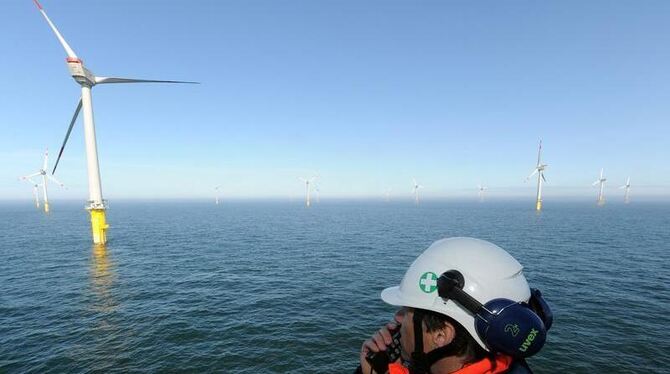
(308, 182)
(216, 199)
(36, 195)
(601, 189)
(481, 189)
(87, 80)
(539, 169)
(387, 195)
(43, 173)
(626, 195)
(415, 190)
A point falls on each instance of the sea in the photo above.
(275, 287)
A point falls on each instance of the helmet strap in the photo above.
(421, 362)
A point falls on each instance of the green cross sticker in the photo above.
(428, 282)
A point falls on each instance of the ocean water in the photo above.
(273, 287)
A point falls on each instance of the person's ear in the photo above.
(444, 335)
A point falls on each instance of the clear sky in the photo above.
(366, 94)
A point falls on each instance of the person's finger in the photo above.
(370, 345)
(386, 334)
(379, 340)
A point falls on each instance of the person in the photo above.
(466, 308)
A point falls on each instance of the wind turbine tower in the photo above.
(601, 188)
(308, 182)
(43, 173)
(626, 187)
(539, 170)
(87, 80)
(415, 191)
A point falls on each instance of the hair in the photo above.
(466, 346)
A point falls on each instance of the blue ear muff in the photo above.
(510, 327)
(506, 326)
(541, 307)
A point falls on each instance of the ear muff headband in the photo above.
(504, 325)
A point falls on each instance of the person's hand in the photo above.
(378, 342)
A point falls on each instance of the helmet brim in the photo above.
(393, 296)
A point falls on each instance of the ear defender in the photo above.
(506, 326)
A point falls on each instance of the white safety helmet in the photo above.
(488, 270)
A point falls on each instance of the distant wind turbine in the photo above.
(387, 195)
(626, 196)
(481, 189)
(216, 198)
(43, 173)
(601, 190)
(415, 190)
(35, 190)
(86, 79)
(539, 169)
(308, 191)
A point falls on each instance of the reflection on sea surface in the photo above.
(102, 281)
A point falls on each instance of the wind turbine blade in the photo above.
(539, 150)
(531, 174)
(594, 183)
(68, 50)
(56, 180)
(67, 135)
(543, 178)
(27, 177)
(105, 80)
(46, 160)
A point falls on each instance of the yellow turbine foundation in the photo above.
(46, 207)
(538, 205)
(99, 226)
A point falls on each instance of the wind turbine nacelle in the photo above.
(79, 72)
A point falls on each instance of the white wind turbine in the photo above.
(43, 173)
(216, 199)
(86, 79)
(387, 195)
(539, 169)
(626, 196)
(601, 189)
(36, 195)
(308, 182)
(415, 190)
(481, 189)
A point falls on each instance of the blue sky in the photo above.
(366, 94)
